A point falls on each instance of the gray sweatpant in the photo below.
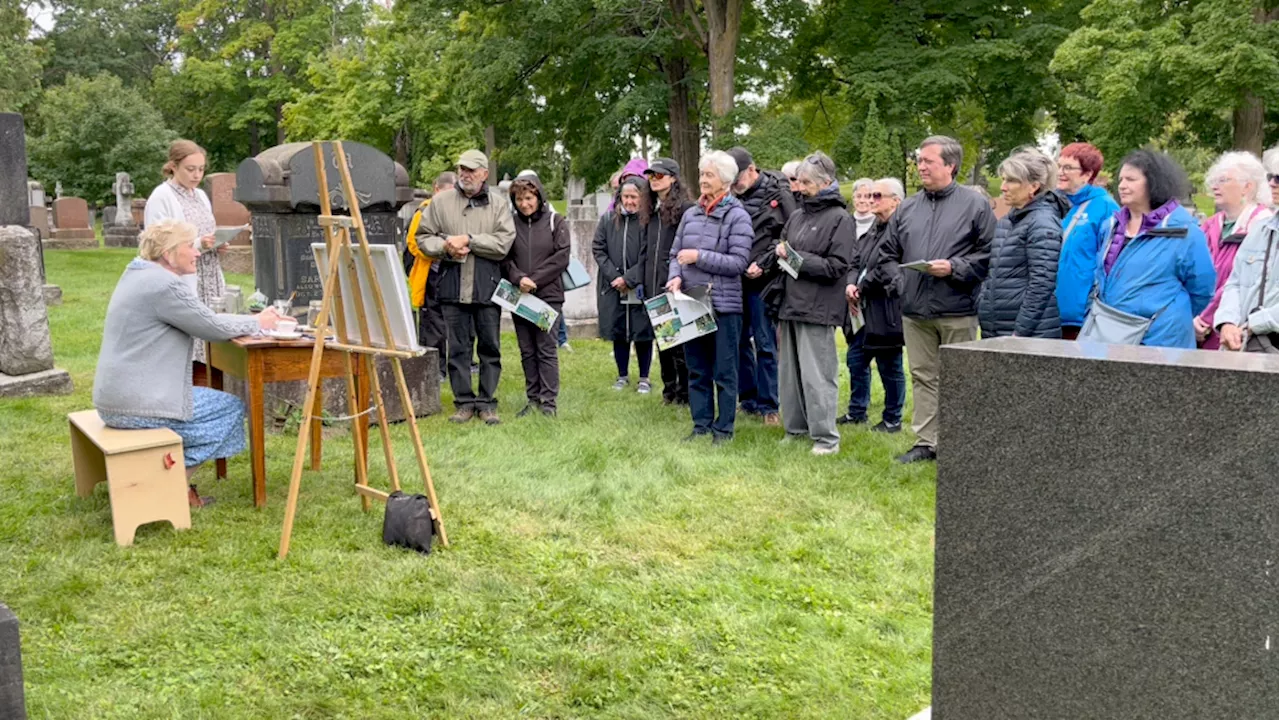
(807, 367)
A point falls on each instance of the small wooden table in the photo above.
(260, 360)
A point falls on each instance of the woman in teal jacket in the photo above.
(1083, 230)
(1156, 261)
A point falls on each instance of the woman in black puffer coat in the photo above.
(1018, 297)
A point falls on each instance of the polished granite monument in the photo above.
(1106, 533)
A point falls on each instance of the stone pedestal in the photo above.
(421, 375)
(121, 235)
(52, 295)
(12, 702)
(26, 352)
(1106, 533)
(580, 305)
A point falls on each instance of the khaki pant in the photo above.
(924, 337)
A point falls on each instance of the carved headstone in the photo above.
(280, 187)
(580, 305)
(120, 230)
(71, 229)
(14, 200)
(12, 703)
(26, 352)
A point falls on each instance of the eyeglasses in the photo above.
(791, 178)
(877, 196)
(1063, 167)
(1273, 179)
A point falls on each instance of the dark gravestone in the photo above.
(280, 188)
(1106, 533)
(14, 201)
(12, 704)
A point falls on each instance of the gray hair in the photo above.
(861, 183)
(894, 185)
(818, 168)
(1271, 160)
(723, 163)
(789, 169)
(949, 147)
(1028, 165)
(1248, 169)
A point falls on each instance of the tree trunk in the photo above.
(684, 130)
(490, 149)
(255, 140)
(279, 113)
(1247, 125)
(400, 146)
(724, 24)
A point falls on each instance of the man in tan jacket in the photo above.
(469, 229)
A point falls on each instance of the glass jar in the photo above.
(231, 296)
(313, 313)
(218, 305)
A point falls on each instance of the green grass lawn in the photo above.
(599, 568)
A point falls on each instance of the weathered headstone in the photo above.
(238, 256)
(36, 206)
(14, 200)
(575, 188)
(26, 352)
(139, 206)
(120, 230)
(71, 229)
(580, 309)
(281, 189)
(1106, 533)
(109, 215)
(12, 703)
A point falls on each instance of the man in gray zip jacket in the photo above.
(950, 228)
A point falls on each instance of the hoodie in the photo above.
(541, 249)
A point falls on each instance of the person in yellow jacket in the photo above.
(423, 282)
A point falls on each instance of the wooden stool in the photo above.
(143, 470)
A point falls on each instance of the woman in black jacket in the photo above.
(537, 258)
(619, 248)
(813, 305)
(670, 200)
(1018, 297)
(872, 292)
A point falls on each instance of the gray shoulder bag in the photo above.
(1106, 324)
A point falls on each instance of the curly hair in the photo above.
(1166, 180)
(670, 212)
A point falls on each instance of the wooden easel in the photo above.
(337, 235)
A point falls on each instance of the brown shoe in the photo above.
(463, 415)
(490, 417)
(194, 499)
(772, 420)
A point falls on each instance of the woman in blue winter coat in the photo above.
(712, 248)
(1155, 262)
(1017, 297)
(1083, 229)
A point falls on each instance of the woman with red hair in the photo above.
(1083, 230)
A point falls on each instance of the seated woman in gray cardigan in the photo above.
(143, 378)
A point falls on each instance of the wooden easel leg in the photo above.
(354, 407)
(317, 427)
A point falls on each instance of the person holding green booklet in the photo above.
(537, 258)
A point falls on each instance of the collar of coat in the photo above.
(709, 204)
(944, 192)
(480, 199)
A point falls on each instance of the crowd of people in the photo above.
(785, 263)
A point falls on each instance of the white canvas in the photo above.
(390, 281)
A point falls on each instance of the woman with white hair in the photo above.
(712, 249)
(143, 379)
(1238, 183)
(1248, 317)
(812, 306)
(863, 207)
(789, 170)
(1017, 297)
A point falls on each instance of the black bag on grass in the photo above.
(408, 522)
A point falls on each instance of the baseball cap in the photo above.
(473, 160)
(742, 156)
(664, 166)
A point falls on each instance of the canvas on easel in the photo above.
(346, 304)
(389, 280)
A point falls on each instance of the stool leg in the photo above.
(89, 462)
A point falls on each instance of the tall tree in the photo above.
(878, 158)
(20, 58)
(1134, 64)
(127, 38)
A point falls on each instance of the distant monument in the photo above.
(120, 230)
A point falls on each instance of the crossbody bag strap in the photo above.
(1075, 219)
(1266, 265)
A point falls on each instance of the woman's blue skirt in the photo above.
(216, 428)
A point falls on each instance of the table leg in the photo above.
(257, 439)
(215, 382)
(317, 409)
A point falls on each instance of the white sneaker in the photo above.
(825, 449)
(567, 347)
(621, 383)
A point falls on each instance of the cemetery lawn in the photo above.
(599, 568)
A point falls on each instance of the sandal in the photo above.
(194, 499)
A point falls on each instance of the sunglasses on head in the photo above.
(1272, 178)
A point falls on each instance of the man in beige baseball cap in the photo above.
(469, 231)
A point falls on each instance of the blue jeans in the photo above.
(758, 368)
(562, 331)
(889, 363)
(713, 376)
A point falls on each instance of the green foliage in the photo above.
(879, 157)
(20, 81)
(126, 38)
(1134, 64)
(92, 128)
(775, 140)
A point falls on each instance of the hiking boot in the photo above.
(886, 427)
(463, 415)
(695, 436)
(490, 417)
(621, 383)
(643, 387)
(919, 453)
(547, 410)
(525, 411)
(719, 439)
(825, 449)
(851, 419)
(772, 419)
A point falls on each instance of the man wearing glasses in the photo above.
(470, 229)
(1082, 232)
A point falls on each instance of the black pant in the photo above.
(541, 362)
(675, 375)
(431, 329)
(480, 326)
